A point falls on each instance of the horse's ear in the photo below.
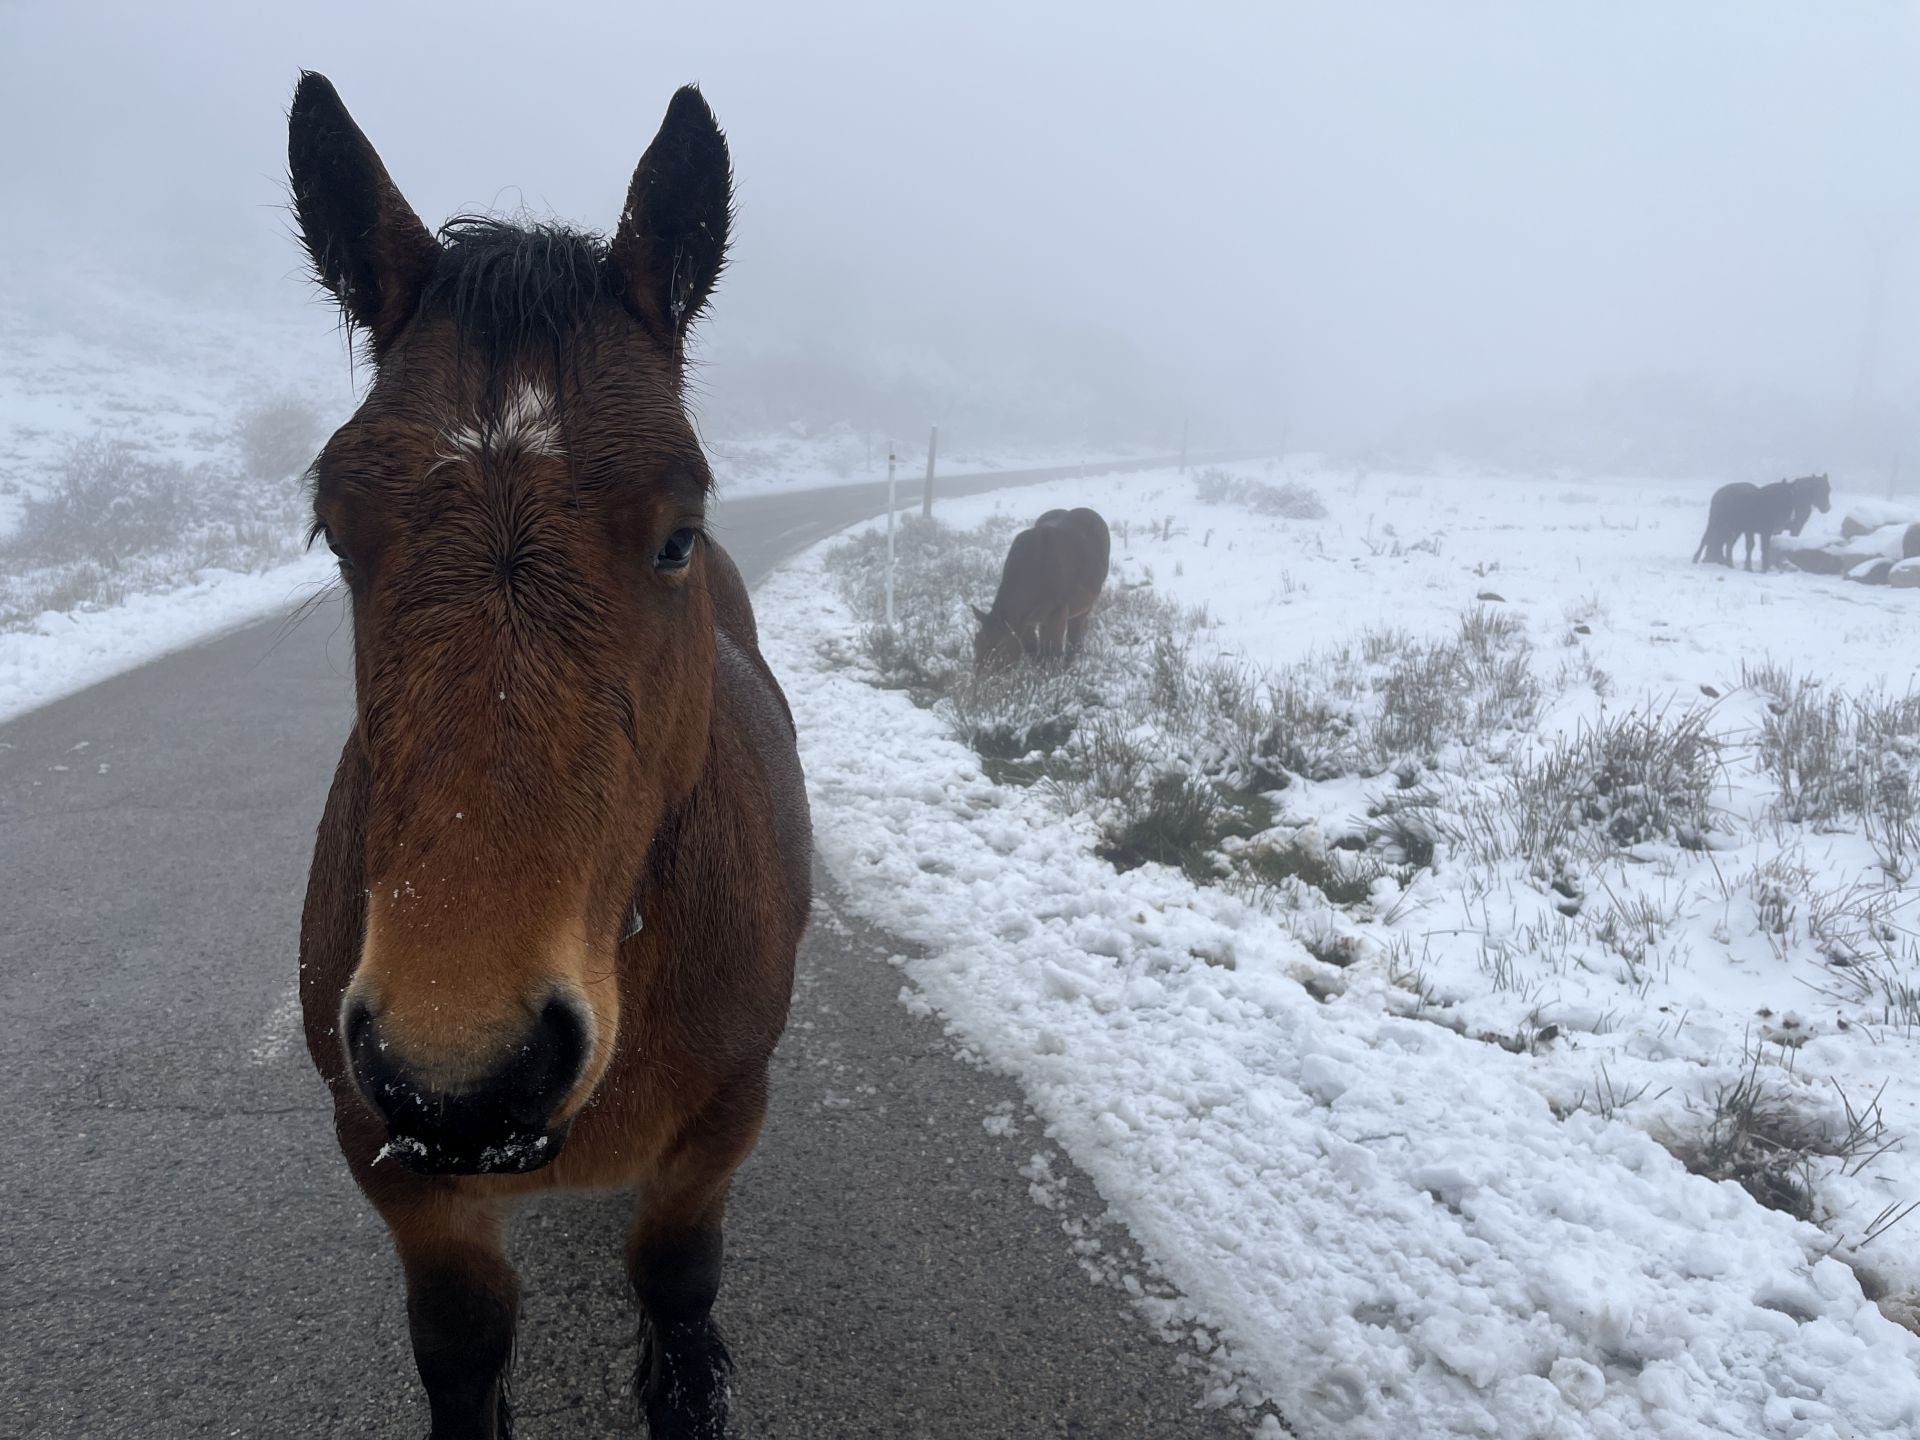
(978, 613)
(672, 239)
(367, 246)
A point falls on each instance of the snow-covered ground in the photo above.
(161, 387)
(1431, 1187)
(62, 652)
(807, 458)
(85, 353)
(88, 356)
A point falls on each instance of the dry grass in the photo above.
(1839, 759)
(1764, 1134)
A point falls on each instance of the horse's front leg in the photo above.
(1766, 551)
(673, 1260)
(462, 1301)
(1077, 632)
(1053, 634)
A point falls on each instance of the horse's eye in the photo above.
(678, 550)
(326, 534)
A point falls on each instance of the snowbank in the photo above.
(61, 653)
(1397, 1225)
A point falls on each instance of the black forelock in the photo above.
(512, 290)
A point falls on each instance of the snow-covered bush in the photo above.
(277, 438)
(1839, 759)
(117, 517)
(1288, 499)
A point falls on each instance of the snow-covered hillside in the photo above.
(152, 450)
(1444, 1092)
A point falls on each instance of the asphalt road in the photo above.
(182, 1252)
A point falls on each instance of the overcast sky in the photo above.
(1339, 212)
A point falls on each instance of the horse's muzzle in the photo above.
(513, 1155)
(501, 1122)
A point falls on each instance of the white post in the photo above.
(926, 493)
(890, 469)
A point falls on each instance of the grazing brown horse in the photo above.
(1054, 573)
(550, 928)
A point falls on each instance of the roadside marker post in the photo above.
(926, 492)
(890, 490)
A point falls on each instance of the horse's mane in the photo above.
(509, 288)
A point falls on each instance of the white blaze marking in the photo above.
(525, 424)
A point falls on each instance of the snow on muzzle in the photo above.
(499, 1123)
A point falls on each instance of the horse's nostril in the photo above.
(385, 1084)
(566, 1028)
(554, 1055)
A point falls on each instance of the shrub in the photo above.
(1837, 758)
(1640, 776)
(1289, 499)
(108, 501)
(1176, 822)
(277, 438)
(114, 519)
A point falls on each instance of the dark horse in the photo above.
(1053, 575)
(1762, 511)
(550, 928)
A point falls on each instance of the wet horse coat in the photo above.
(564, 867)
(1054, 572)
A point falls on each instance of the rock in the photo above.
(1905, 575)
(1583, 629)
(1816, 560)
(1910, 544)
(1709, 692)
(1501, 599)
(1871, 572)
(1862, 517)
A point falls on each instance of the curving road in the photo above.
(183, 1254)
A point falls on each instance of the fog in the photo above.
(1637, 234)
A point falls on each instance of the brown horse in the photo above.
(1054, 573)
(550, 928)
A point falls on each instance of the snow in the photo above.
(1395, 1226)
(86, 352)
(811, 458)
(62, 652)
